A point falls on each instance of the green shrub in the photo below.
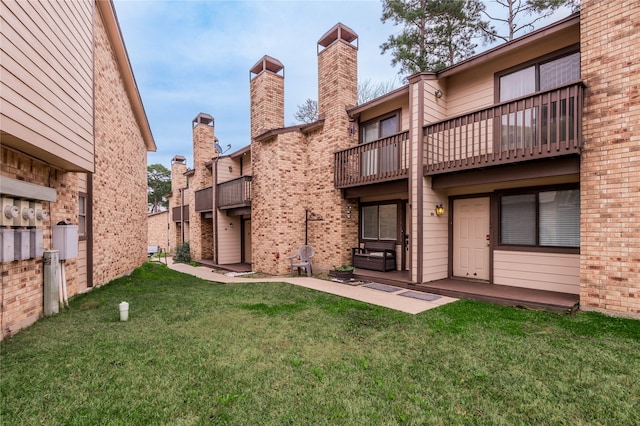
(183, 254)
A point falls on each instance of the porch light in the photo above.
(438, 93)
(439, 209)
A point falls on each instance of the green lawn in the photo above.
(195, 352)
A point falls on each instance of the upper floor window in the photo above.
(540, 76)
(380, 127)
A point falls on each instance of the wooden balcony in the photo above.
(382, 160)
(544, 125)
(234, 193)
(175, 214)
(204, 200)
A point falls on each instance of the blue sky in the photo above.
(194, 56)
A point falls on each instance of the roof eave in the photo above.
(108, 12)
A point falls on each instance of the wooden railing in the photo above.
(234, 193)
(175, 213)
(547, 124)
(382, 160)
(204, 200)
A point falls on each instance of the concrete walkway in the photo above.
(396, 298)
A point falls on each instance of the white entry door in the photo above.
(471, 238)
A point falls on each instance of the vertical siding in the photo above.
(435, 252)
(436, 237)
(47, 71)
(541, 271)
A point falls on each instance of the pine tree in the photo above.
(158, 186)
(436, 33)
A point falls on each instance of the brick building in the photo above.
(74, 145)
(514, 171)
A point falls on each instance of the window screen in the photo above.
(560, 218)
(560, 71)
(518, 219)
(517, 84)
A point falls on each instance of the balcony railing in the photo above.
(373, 162)
(547, 124)
(204, 200)
(175, 214)
(234, 193)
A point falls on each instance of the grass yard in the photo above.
(197, 353)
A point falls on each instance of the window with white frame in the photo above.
(541, 219)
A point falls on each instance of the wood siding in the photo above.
(542, 271)
(47, 80)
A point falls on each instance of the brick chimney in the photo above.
(267, 95)
(337, 74)
(203, 148)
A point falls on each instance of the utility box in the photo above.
(21, 244)
(36, 243)
(39, 214)
(51, 266)
(65, 241)
(7, 252)
(9, 212)
(25, 214)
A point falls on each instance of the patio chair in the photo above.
(302, 259)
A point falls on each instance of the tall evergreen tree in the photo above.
(158, 186)
(436, 33)
(519, 16)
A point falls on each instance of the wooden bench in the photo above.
(375, 255)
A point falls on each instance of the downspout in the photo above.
(420, 185)
(181, 216)
(214, 195)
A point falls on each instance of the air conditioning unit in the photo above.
(9, 212)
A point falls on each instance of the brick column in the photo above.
(610, 169)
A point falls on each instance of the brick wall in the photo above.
(293, 171)
(120, 178)
(279, 188)
(266, 93)
(201, 240)
(158, 231)
(610, 169)
(22, 280)
(335, 235)
(178, 182)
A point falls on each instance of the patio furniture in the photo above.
(375, 255)
(302, 259)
